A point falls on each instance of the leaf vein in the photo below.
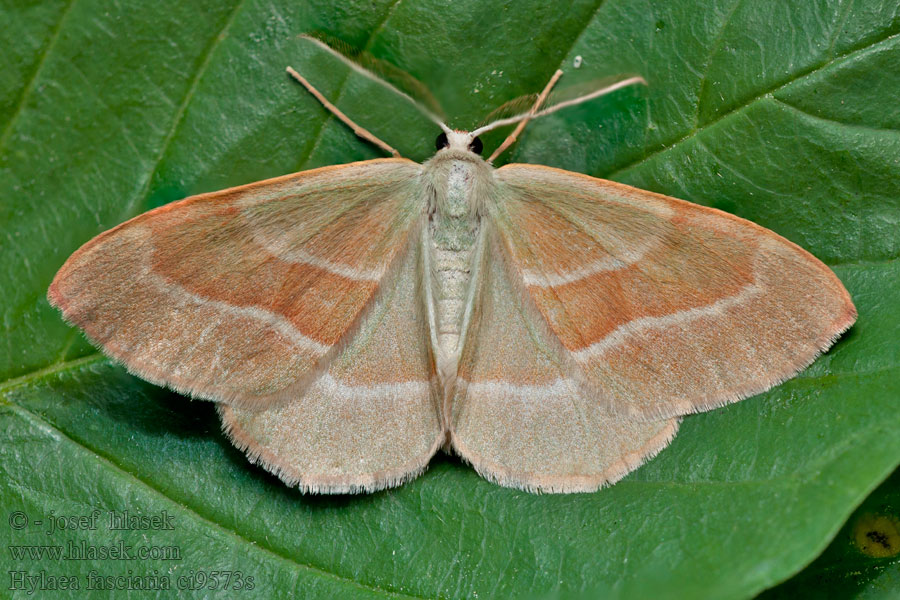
(178, 118)
(52, 369)
(670, 145)
(340, 93)
(717, 45)
(40, 421)
(580, 34)
(29, 87)
(832, 121)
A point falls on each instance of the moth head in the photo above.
(456, 139)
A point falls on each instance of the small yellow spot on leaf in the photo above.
(877, 535)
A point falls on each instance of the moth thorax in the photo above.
(459, 197)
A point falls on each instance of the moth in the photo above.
(548, 327)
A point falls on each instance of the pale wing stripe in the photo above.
(621, 333)
(274, 320)
(495, 389)
(371, 392)
(609, 263)
(300, 256)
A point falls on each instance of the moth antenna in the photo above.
(511, 138)
(358, 130)
(552, 106)
(633, 80)
(382, 73)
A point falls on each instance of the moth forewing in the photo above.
(351, 320)
(667, 307)
(225, 305)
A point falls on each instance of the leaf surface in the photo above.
(784, 113)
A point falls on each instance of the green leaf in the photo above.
(781, 112)
(863, 561)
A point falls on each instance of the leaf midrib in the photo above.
(668, 146)
(29, 415)
(791, 480)
(95, 358)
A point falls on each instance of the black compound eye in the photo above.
(441, 141)
(476, 146)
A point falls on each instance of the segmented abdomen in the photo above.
(452, 267)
